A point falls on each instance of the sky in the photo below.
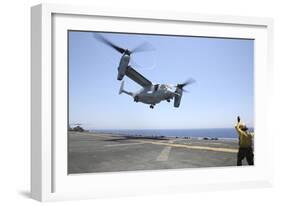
(223, 70)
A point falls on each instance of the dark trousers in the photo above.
(245, 152)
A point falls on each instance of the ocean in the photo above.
(198, 133)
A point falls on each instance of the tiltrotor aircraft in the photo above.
(150, 93)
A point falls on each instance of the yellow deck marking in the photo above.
(215, 149)
(164, 155)
(229, 150)
(125, 144)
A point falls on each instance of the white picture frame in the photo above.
(49, 179)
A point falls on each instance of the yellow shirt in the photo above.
(245, 138)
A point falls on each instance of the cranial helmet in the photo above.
(243, 126)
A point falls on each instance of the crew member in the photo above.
(245, 143)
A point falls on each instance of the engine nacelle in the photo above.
(178, 96)
(121, 72)
(123, 65)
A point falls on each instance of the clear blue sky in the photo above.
(223, 70)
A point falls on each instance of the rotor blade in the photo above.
(184, 90)
(143, 47)
(107, 42)
(134, 64)
(189, 81)
(139, 66)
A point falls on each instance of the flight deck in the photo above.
(98, 152)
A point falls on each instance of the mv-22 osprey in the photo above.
(150, 93)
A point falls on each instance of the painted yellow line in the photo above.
(125, 144)
(164, 155)
(215, 149)
(97, 136)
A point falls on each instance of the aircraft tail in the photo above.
(121, 90)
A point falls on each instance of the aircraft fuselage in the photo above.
(154, 95)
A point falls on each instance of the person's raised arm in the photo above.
(237, 126)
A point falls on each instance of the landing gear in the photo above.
(151, 106)
(136, 99)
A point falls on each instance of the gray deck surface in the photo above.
(92, 152)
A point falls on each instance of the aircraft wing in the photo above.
(137, 77)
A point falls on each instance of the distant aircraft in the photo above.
(151, 94)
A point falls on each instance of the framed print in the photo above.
(135, 102)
